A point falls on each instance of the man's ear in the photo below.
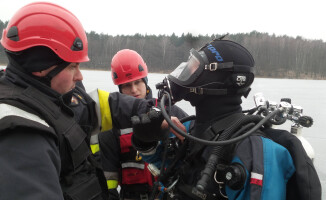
(39, 74)
(43, 72)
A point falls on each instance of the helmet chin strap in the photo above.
(206, 91)
(47, 78)
(57, 70)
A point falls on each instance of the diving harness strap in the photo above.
(217, 131)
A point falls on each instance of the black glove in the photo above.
(147, 127)
(113, 194)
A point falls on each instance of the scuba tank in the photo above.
(266, 113)
(294, 113)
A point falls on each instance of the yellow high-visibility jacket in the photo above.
(115, 110)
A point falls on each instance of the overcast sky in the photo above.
(281, 17)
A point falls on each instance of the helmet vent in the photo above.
(140, 68)
(77, 45)
(115, 76)
(129, 75)
(13, 33)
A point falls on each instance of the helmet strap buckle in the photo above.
(211, 67)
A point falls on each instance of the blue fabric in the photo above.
(239, 194)
(278, 168)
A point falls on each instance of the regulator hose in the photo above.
(208, 142)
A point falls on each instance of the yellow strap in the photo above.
(112, 184)
(95, 148)
(105, 110)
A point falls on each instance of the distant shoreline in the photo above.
(161, 72)
(278, 77)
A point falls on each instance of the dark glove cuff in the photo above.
(113, 194)
(142, 146)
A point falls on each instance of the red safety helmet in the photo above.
(50, 25)
(126, 66)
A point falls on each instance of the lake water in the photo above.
(310, 94)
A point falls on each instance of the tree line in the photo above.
(275, 56)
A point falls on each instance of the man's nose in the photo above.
(133, 88)
(78, 75)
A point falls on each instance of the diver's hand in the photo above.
(176, 122)
(147, 127)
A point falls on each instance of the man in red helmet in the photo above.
(45, 153)
(121, 162)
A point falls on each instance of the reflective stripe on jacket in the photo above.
(103, 112)
(116, 108)
(9, 110)
(133, 168)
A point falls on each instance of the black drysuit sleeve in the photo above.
(110, 150)
(123, 107)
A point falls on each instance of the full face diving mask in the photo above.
(181, 80)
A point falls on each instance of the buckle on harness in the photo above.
(138, 156)
(197, 90)
(143, 196)
(221, 186)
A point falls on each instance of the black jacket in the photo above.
(42, 146)
(30, 160)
